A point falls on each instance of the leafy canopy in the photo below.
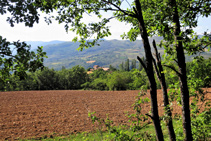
(16, 57)
(157, 16)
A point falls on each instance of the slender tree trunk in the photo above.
(162, 79)
(150, 73)
(183, 77)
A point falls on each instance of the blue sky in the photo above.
(55, 31)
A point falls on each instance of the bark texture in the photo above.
(150, 73)
(182, 74)
(161, 77)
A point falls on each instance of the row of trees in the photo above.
(114, 79)
(127, 66)
(49, 79)
(77, 78)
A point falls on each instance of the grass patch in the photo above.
(118, 133)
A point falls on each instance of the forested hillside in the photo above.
(110, 52)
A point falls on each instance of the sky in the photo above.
(55, 31)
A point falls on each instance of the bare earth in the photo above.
(34, 114)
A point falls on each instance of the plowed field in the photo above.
(33, 114)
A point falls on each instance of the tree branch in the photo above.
(156, 51)
(158, 58)
(142, 63)
(173, 68)
(99, 28)
(149, 116)
(156, 69)
(119, 9)
(3, 53)
(175, 61)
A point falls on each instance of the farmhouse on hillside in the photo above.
(96, 67)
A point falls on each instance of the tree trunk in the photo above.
(161, 78)
(183, 77)
(150, 73)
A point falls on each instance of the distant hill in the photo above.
(110, 52)
(34, 44)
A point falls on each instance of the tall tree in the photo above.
(161, 77)
(127, 65)
(182, 72)
(176, 16)
(121, 67)
(48, 79)
(133, 65)
(111, 68)
(148, 67)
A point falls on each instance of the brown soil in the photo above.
(34, 114)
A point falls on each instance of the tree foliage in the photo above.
(16, 57)
(172, 19)
(50, 79)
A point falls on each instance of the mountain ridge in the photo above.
(110, 52)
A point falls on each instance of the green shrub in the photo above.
(119, 80)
